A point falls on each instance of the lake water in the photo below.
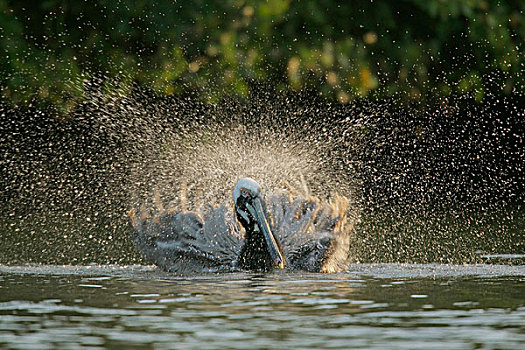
(377, 306)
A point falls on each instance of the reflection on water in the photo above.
(371, 306)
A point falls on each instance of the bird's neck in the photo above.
(254, 252)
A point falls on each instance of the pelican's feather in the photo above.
(209, 240)
(312, 233)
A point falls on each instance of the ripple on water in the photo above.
(366, 308)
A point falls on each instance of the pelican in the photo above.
(279, 232)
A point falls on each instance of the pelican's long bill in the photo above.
(262, 222)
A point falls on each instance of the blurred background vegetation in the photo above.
(343, 50)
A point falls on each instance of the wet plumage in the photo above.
(311, 235)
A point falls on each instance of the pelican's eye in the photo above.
(244, 192)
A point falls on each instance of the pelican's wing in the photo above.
(314, 235)
(208, 240)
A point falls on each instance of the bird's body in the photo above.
(280, 231)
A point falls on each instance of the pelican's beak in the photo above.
(271, 241)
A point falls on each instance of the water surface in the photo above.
(370, 306)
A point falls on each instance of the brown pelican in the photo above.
(279, 232)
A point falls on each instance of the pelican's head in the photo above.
(251, 214)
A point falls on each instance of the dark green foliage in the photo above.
(342, 49)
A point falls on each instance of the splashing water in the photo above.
(124, 149)
(207, 161)
(423, 176)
